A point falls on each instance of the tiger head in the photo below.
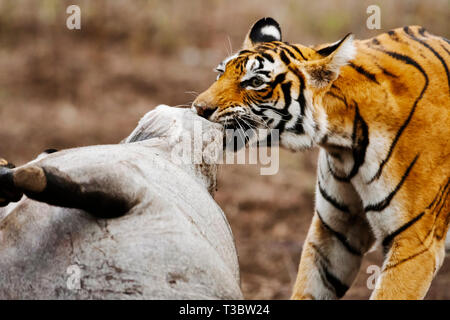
(274, 85)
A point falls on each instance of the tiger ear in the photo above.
(325, 70)
(264, 30)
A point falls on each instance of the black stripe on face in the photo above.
(364, 72)
(301, 96)
(284, 58)
(286, 116)
(341, 237)
(261, 62)
(264, 72)
(286, 88)
(267, 96)
(289, 52)
(278, 79)
(380, 206)
(388, 239)
(268, 57)
(426, 45)
(266, 46)
(298, 51)
(298, 127)
(409, 61)
(333, 201)
(283, 113)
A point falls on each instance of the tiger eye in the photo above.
(256, 82)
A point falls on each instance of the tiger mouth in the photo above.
(238, 121)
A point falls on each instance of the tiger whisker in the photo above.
(230, 47)
(251, 127)
(193, 93)
(274, 111)
(243, 136)
(260, 121)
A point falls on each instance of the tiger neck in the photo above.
(347, 137)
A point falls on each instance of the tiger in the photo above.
(378, 110)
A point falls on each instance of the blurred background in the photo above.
(62, 88)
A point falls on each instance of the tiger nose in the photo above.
(204, 110)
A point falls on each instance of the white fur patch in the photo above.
(343, 55)
(294, 141)
(252, 64)
(223, 64)
(271, 31)
(339, 58)
(315, 127)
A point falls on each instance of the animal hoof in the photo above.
(4, 163)
(31, 179)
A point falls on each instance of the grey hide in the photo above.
(173, 242)
(447, 244)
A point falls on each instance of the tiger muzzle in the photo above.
(204, 110)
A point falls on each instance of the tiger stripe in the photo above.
(412, 62)
(341, 237)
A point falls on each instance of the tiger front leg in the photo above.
(408, 270)
(336, 242)
(413, 258)
(329, 262)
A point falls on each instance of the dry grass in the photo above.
(62, 88)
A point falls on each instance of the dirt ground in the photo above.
(63, 88)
